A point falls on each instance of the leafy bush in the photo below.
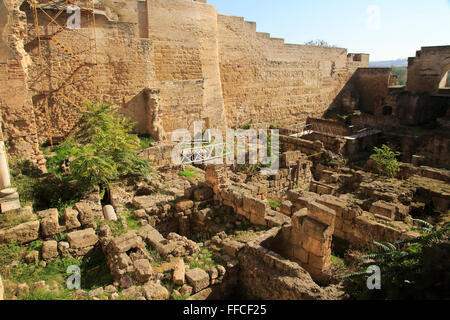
(101, 151)
(386, 161)
(416, 268)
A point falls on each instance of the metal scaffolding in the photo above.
(50, 24)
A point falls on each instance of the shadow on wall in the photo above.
(143, 109)
(368, 90)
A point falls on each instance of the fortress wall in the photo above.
(17, 115)
(168, 45)
(372, 85)
(165, 63)
(120, 69)
(184, 36)
(426, 70)
(264, 79)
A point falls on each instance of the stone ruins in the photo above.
(224, 229)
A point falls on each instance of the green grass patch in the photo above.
(132, 223)
(156, 257)
(94, 271)
(274, 204)
(146, 141)
(14, 218)
(205, 259)
(182, 296)
(189, 173)
(247, 125)
(337, 260)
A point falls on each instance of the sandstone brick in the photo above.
(384, 209)
(317, 230)
(301, 254)
(298, 218)
(203, 193)
(50, 222)
(23, 233)
(287, 208)
(126, 241)
(86, 216)
(198, 278)
(82, 239)
(231, 248)
(151, 235)
(155, 291)
(315, 247)
(49, 250)
(321, 213)
(179, 273)
(184, 205)
(71, 219)
(319, 262)
(143, 270)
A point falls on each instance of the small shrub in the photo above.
(386, 161)
(101, 151)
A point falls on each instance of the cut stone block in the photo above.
(82, 239)
(198, 278)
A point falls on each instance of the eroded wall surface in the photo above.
(165, 63)
(264, 79)
(427, 68)
(17, 114)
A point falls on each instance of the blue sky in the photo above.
(387, 29)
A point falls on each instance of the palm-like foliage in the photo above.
(411, 268)
(102, 149)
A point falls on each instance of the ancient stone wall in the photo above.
(17, 113)
(427, 69)
(165, 63)
(185, 41)
(372, 85)
(265, 79)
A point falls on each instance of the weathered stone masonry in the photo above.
(166, 64)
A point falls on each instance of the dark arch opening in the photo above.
(387, 111)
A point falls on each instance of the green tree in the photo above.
(386, 161)
(102, 149)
